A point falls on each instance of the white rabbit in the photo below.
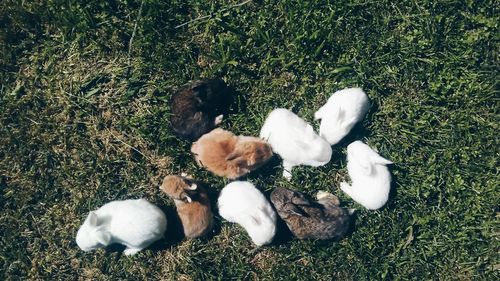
(371, 180)
(294, 140)
(341, 112)
(133, 223)
(240, 202)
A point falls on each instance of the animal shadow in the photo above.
(268, 171)
(393, 191)
(283, 233)
(237, 102)
(213, 195)
(174, 233)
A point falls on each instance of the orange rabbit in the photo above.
(227, 155)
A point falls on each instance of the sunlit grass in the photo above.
(84, 120)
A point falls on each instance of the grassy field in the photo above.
(84, 120)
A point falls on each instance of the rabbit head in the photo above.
(179, 188)
(93, 233)
(364, 157)
(241, 202)
(211, 94)
(282, 196)
(250, 153)
(339, 126)
(286, 200)
(341, 112)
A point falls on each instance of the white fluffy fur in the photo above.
(240, 202)
(341, 112)
(371, 180)
(133, 223)
(294, 140)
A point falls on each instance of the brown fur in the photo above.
(196, 105)
(308, 219)
(196, 216)
(227, 155)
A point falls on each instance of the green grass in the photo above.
(82, 123)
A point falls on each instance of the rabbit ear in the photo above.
(187, 198)
(232, 156)
(102, 236)
(291, 208)
(320, 113)
(300, 200)
(239, 160)
(200, 91)
(309, 131)
(301, 144)
(250, 219)
(251, 161)
(377, 159)
(363, 161)
(339, 113)
(253, 158)
(347, 123)
(240, 169)
(256, 220)
(92, 219)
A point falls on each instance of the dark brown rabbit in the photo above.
(192, 203)
(311, 220)
(198, 107)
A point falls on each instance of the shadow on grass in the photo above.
(213, 194)
(267, 172)
(358, 132)
(238, 102)
(393, 192)
(283, 233)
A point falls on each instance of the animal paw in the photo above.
(323, 194)
(287, 174)
(185, 175)
(345, 187)
(218, 119)
(287, 170)
(131, 251)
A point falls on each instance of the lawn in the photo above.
(84, 110)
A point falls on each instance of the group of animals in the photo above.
(197, 108)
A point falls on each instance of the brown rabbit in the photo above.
(227, 155)
(314, 220)
(198, 107)
(192, 203)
